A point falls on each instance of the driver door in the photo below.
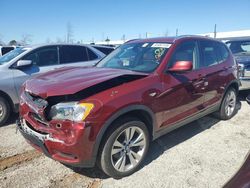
(182, 93)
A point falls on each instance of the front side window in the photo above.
(73, 54)
(186, 51)
(44, 56)
(142, 57)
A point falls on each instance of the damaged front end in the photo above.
(56, 124)
(57, 138)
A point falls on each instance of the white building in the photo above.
(220, 35)
(229, 34)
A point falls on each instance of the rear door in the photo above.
(213, 61)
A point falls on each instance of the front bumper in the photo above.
(245, 79)
(35, 139)
(71, 143)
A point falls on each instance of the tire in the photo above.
(4, 111)
(128, 154)
(228, 105)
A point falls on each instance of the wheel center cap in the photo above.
(127, 149)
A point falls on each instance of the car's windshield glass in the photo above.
(142, 57)
(239, 47)
(11, 55)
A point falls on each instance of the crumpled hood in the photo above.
(71, 80)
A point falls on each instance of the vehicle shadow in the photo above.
(243, 95)
(12, 119)
(160, 145)
(164, 143)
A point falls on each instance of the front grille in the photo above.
(39, 119)
(40, 102)
(41, 105)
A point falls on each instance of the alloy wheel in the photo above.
(1, 111)
(230, 103)
(128, 149)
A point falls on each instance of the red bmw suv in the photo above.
(109, 113)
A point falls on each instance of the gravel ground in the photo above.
(205, 153)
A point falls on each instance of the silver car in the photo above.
(22, 63)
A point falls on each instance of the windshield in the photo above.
(239, 47)
(142, 57)
(11, 55)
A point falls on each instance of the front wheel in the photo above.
(228, 105)
(4, 110)
(125, 148)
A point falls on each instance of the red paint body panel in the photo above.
(168, 97)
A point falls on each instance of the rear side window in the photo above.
(71, 54)
(208, 53)
(222, 53)
(91, 54)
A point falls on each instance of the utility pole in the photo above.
(215, 30)
(69, 33)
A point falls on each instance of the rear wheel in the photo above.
(228, 105)
(4, 110)
(125, 148)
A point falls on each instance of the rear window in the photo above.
(71, 54)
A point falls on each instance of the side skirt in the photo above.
(186, 121)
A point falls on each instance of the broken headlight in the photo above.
(72, 111)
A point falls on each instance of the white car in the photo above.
(20, 64)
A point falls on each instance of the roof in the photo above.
(170, 39)
(238, 39)
(55, 44)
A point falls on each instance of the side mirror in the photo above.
(181, 66)
(23, 63)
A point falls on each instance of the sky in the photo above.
(95, 20)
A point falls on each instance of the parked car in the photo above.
(242, 178)
(18, 65)
(6, 49)
(241, 51)
(104, 49)
(109, 113)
